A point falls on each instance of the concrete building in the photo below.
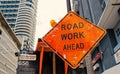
(9, 48)
(105, 14)
(21, 16)
(28, 63)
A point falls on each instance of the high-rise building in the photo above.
(10, 10)
(21, 16)
(105, 14)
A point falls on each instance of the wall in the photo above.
(113, 70)
(8, 48)
(107, 52)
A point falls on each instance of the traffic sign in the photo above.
(73, 38)
(29, 57)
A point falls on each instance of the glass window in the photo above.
(23, 52)
(10, 2)
(22, 35)
(9, 6)
(12, 25)
(103, 4)
(10, 10)
(0, 31)
(29, 5)
(11, 20)
(10, 15)
(117, 32)
(29, 1)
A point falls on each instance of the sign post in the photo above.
(41, 59)
(40, 47)
(73, 38)
(53, 23)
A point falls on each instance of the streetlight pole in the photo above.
(68, 5)
(69, 9)
(88, 58)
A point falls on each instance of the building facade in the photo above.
(28, 65)
(9, 48)
(10, 10)
(105, 14)
(21, 16)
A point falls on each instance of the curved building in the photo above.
(25, 23)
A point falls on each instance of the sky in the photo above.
(46, 11)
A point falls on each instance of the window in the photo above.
(9, 6)
(10, 15)
(11, 20)
(29, 1)
(103, 4)
(24, 52)
(22, 35)
(29, 5)
(10, 10)
(12, 25)
(118, 32)
(0, 31)
(10, 2)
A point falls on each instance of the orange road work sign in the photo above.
(73, 38)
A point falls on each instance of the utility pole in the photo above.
(68, 5)
(69, 9)
(88, 62)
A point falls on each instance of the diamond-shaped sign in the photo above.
(73, 38)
